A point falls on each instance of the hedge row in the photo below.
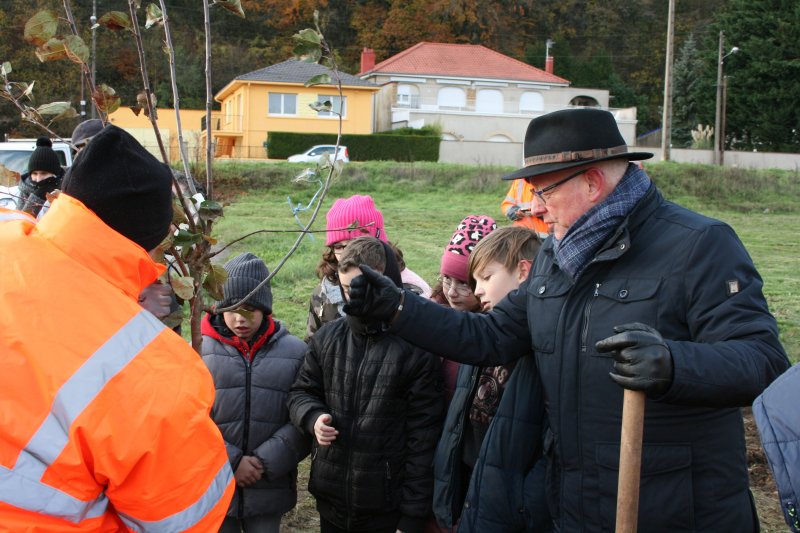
(282, 144)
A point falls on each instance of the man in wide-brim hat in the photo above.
(631, 291)
(565, 145)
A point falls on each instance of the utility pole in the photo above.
(722, 120)
(722, 94)
(93, 20)
(666, 119)
(718, 141)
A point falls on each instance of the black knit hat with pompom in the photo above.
(44, 158)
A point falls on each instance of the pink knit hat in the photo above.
(354, 211)
(455, 260)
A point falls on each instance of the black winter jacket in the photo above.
(33, 195)
(689, 277)
(250, 410)
(506, 489)
(387, 402)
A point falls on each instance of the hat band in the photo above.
(565, 157)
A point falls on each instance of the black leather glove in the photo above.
(513, 213)
(373, 296)
(642, 360)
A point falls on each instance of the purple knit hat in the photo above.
(455, 260)
(354, 211)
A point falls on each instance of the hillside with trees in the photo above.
(615, 45)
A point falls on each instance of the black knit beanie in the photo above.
(128, 188)
(245, 272)
(44, 158)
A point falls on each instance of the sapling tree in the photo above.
(191, 247)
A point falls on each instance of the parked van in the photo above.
(14, 153)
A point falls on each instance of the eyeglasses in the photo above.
(541, 192)
(459, 286)
(339, 247)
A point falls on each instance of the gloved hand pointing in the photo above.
(373, 296)
(642, 360)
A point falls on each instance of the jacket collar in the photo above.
(75, 230)
(214, 327)
(620, 240)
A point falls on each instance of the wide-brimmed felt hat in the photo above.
(570, 138)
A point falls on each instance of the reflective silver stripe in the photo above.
(19, 491)
(190, 516)
(21, 487)
(10, 215)
(81, 389)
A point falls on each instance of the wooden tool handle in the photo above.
(630, 461)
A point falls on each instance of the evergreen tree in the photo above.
(689, 93)
(763, 102)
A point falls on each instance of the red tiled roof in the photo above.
(462, 60)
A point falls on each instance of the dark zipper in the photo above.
(246, 436)
(353, 425)
(587, 313)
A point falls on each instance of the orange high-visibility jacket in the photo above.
(104, 411)
(520, 193)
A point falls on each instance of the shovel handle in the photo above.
(630, 461)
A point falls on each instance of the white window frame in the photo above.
(451, 97)
(525, 107)
(486, 101)
(283, 101)
(334, 98)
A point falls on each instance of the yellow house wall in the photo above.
(257, 123)
(141, 129)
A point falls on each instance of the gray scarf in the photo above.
(594, 227)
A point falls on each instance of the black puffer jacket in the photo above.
(690, 278)
(33, 194)
(387, 402)
(250, 410)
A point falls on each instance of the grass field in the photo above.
(423, 202)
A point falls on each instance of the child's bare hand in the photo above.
(324, 432)
(249, 471)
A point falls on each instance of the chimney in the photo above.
(367, 60)
(548, 64)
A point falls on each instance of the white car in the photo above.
(315, 154)
(9, 196)
(14, 154)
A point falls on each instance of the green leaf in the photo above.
(210, 210)
(214, 281)
(178, 217)
(5, 69)
(308, 45)
(53, 108)
(106, 99)
(28, 89)
(319, 79)
(41, 27)
(116, 21)
(76, 49)
(234, 6)
(66, 114)
(307, 35)
(186, 238)
(154, 16)
(174, 319)
(325, 105)
(52, 50)
(183, 286)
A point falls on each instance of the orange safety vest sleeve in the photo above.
(520, 193)
(104, 412)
